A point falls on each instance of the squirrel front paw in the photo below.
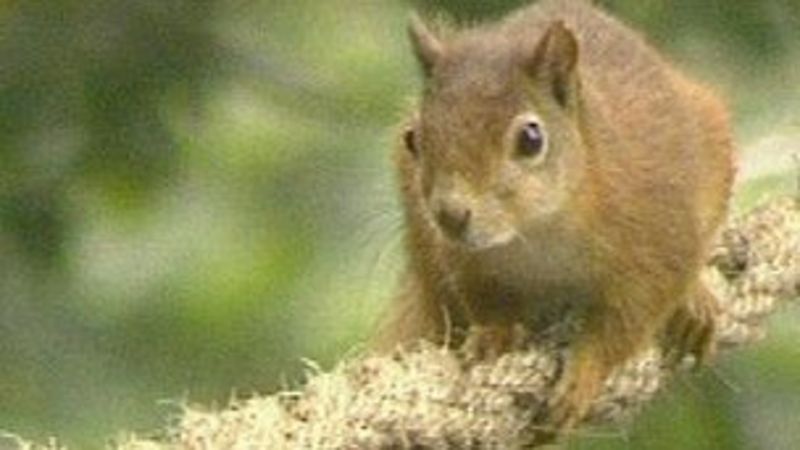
(489, 342)
(570, 401)
(690, 331)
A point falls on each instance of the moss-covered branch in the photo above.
(431, 398)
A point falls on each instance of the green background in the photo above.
(195, 195)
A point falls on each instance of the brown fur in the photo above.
(616, 223)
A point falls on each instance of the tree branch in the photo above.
(433, 398)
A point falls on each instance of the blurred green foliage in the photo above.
(196, 194)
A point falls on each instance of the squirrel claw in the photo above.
(569, 405)
(489, 342)
(691, 332)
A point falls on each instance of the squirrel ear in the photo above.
(554, 62)
(428, 48)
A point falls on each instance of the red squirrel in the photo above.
(555, 159)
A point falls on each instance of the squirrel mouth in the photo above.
(476, 241)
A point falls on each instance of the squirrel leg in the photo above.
(580, 383)
(584, 373)
(690, 330)
(611, 335)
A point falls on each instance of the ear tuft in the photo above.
(428, 48)
(555, 60)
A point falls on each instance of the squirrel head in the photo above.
(495, 147)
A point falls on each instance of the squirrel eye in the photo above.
(410, 141)
(530, 141)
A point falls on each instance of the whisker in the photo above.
(393, 237)
(380, 222)
(725, 381)
(521, 237)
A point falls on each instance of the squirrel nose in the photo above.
(453, 218)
